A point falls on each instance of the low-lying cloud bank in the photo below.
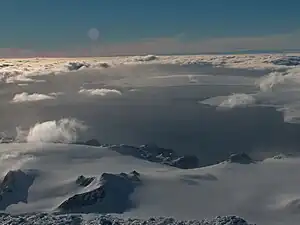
(100, 92)
(25, 70)
(26, 97)
(278, 89)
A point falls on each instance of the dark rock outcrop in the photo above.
(79, 201)
(145, 58)
(287, 61)
(110, 196)
(92, 142)
(104, 65)
(5, 65)
(73, 66)
(153, 153)
(241, 158)
(84, 181)
(6, 140)
(77, 219)
(14, 187)
(186, 162)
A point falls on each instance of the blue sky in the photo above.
(56, 25)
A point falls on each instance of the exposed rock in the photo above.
(5, 65)
(110, 196)
(287, 61)
(284, 156)
(85, 199)
(92, 142)
(186, 162)
(14, 188)
(84, 181)
(77, 219)
(145, 58)
(127, 150)
(152, 153)
(229, 220)
(134, 173)
(241, 158)
(155, 150)
(104, 65)
(6, 140)
(73, 66)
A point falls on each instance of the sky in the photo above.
(109, 27)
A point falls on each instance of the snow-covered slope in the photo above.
(260, 192)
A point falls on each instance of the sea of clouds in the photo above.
(24, 70)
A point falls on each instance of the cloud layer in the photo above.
(27, 70)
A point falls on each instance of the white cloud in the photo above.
(61, 131)
(100, 92)
(280, 90)
(25, 97)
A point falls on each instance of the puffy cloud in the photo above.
(25, 97)
(100, 92)
(62, 131)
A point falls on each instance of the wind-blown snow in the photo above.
(26, 97)
(100, 92)
(232, 101)
(287, 78)
(62, 131)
